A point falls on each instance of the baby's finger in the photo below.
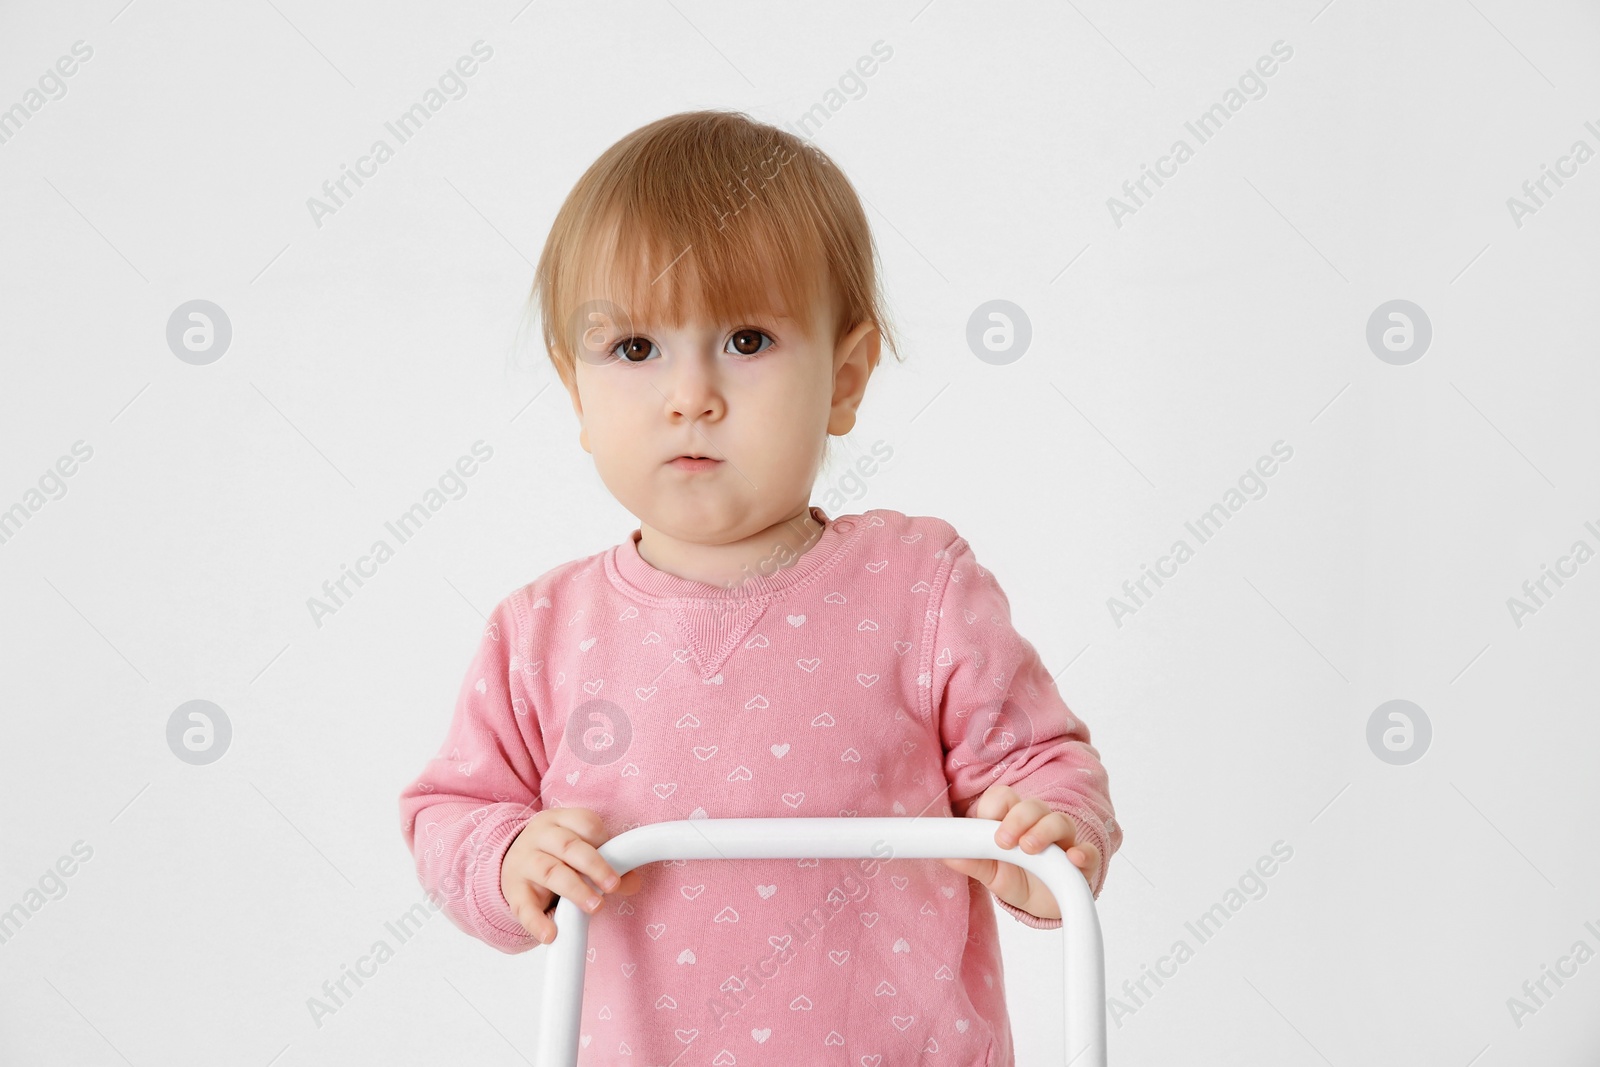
(564, 881)
(1019, 820)
(580, 855)
(585, 823)
(525, 906)
(1086, 857)
(995, 802)
(565, 845)
(1054, 829)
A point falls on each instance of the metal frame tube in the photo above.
(908, 838)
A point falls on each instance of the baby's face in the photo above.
(756, 397)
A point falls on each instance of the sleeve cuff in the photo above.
(487, 898)
(1091, 828)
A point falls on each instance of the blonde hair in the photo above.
(716, 213)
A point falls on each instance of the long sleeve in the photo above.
(1001, 718)
(471, 800)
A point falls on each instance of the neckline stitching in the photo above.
(764, 598)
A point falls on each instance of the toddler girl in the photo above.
(744, 655)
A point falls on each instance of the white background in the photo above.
(1229, 312)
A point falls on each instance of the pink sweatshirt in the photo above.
(877, 675)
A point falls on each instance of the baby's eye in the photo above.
(747, 343)
(633, 346)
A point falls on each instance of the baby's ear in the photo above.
(864, 343)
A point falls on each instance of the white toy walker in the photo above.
(910, 838)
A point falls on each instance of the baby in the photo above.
(745, 655)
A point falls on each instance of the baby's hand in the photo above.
(1038, 827)
(545, 860)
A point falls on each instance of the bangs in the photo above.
(705, 216)
(647, 268)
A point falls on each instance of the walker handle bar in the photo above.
(843, 838)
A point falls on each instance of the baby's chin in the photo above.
(697, 528)
(708, 518)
